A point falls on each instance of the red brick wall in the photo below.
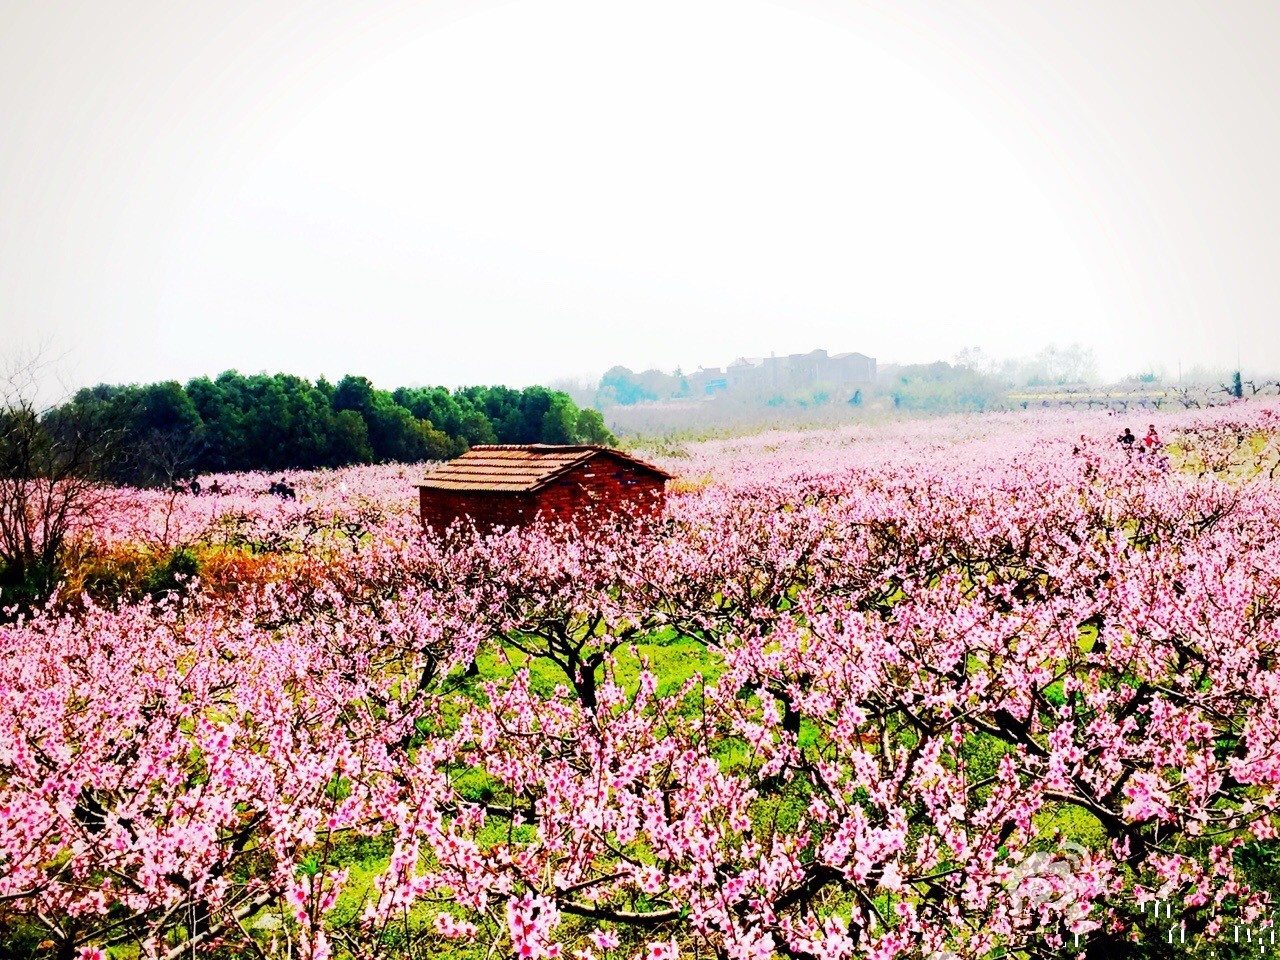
(599, 487)
(440, 508)
(592, 489)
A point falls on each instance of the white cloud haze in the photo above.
(483, 192)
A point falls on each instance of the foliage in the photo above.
(942, 388)
(623, 387)
(282, 422)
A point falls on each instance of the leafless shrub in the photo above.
(50, 470)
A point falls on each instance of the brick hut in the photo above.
(509, 485)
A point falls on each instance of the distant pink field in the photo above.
(981, 442)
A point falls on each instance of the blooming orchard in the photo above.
(945, 688)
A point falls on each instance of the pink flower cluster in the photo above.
(942, 688)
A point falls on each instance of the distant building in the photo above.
(852, 368)
(744, 374)
(706, 381)
(511, 485)
(797, 371)
(806, 369)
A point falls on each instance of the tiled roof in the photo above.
(515, 468)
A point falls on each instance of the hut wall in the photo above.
(599, 487)
(440, 508)
(594, 489)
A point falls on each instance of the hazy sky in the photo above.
(482, 191)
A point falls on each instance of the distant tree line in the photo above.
(942, 387)
(283, 422)
(975, 381)
(623, 387)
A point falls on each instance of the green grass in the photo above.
(673, 661)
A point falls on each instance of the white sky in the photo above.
(481, 191)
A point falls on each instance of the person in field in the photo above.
(1152, 439)
(1127, 439)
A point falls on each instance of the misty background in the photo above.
(535, 191)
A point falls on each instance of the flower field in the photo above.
(961, 688)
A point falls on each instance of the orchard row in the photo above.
(964, 685)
